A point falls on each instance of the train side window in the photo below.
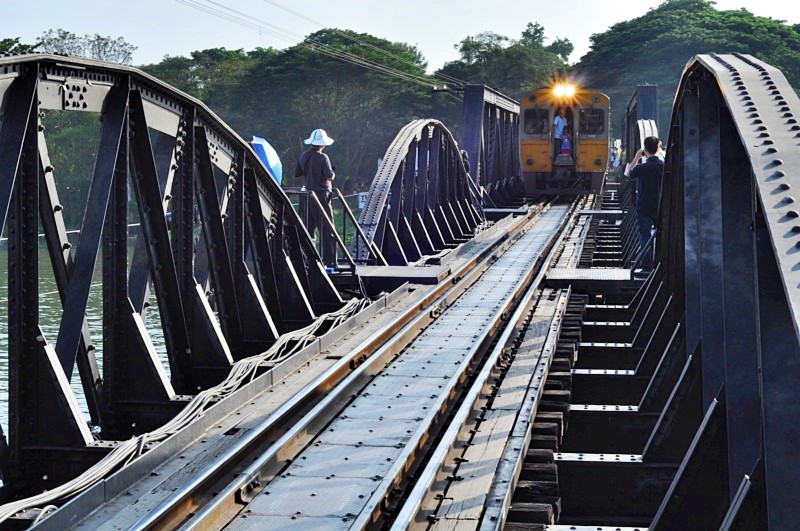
(592, 121)
(537, 121)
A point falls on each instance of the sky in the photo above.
(170, 27)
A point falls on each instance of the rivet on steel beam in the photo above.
(777, 162)
(66, 246)
(792, 214)
(785, 186)
(778, 174)
(48, 169)
(797, 244)
(761, 128)
(788, 199)
(796, 229)
(772, 150)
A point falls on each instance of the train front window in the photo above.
(592, 121)
(537, 121)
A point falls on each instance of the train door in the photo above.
(569, 128)
(591, 141)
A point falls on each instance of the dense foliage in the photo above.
(513, 67)
(655, 48)
(102, 48)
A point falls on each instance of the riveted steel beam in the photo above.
(253, 252)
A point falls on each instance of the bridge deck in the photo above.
(143, 495)
(333, 480)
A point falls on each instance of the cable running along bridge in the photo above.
(478, 357)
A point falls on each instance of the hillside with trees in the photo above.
(655, 48)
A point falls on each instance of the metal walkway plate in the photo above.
(594, 279)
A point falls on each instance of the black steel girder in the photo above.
(217, 235)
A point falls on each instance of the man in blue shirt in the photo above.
(648, 193)
(559, 123)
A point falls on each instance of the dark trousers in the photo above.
(646, 223)
(316, 221)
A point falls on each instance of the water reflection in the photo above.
(50, 318)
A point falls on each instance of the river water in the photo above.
(50, 318)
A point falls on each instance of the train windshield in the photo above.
(592, 121)
(537, 121)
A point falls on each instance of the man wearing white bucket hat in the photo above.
(316, 167)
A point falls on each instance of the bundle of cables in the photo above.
(242, 372)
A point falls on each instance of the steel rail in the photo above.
(426, 478)
(514, 457)
(180, 504)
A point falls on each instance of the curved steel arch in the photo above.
(231, 264)
(420, 201)
(730, 244)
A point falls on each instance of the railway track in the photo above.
(234, 435)
(348, 458)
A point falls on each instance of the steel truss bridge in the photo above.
(475, 359)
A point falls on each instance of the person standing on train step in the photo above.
(566, 143)
(316, 167)
(648, 193)
(559, 123)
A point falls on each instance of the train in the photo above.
(545, 169)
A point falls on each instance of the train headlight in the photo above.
(564, 90)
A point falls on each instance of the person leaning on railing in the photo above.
(316, 167)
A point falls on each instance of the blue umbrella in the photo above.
(268, 156)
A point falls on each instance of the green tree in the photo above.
(512, 66)
(655, 48)
(12, 45)
(102, 48)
